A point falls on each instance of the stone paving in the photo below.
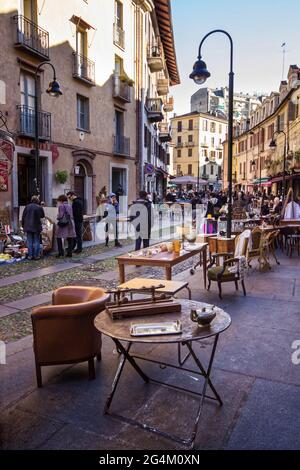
(253, 371)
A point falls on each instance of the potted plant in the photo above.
(296, 165)
(61, 176)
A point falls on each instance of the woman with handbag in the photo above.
(65, 228)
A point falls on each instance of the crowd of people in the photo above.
(69, 224)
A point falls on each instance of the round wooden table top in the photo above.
(191, 331)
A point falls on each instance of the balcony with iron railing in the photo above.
(169, 105)
(121, 146)
(31, 37)
(121, 89)
(155, 57)
(154, 108)
(165, 134)
(26, 126)
(162, 85)
(119, 36)
(190, 143)
(83, 68)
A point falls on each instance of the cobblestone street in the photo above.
(253, 370)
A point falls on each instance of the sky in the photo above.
(258, 29)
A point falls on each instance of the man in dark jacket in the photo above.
(32, 226)
(77, 207)
(142, 226)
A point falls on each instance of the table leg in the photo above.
(125, 356)
(168, 273)
(204, 252)
(202, 372)
(121, 273)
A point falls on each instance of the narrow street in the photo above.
(253, 371)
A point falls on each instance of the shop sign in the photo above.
(3, 175)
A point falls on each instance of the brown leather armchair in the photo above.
(64, 332)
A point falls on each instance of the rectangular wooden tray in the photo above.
(140, 309)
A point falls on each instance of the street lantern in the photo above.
(200, 73)
(52, 90)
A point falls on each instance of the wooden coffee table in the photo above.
(162, 260)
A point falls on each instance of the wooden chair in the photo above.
(223, 273)
(256, 250)
(269, 248)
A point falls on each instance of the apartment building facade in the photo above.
(95, 131)
(255, 165)
(198, 146)
(215, 101)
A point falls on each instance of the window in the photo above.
(81, 42)
(190, 138)
(212, 141)
(204, 153)
(83, 119)
(211, 169)
(213, 154)
(27, 86)
(204, 125)
(190, 169)
(119, 14)
(204, 171)
(118, 66)
(190, 152)
(190, 124)
(179, 140)
(179, 126)
(220, 129)
(178, 169)
(30, 10)
(178, 153)
(212, 127)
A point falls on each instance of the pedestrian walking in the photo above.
(77, 208)
(144, 225)
(65, 228)
(32, 226)
(110, 217)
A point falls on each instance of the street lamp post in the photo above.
(273, 146)
(200, 75)
(53, 90)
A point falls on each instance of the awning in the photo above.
(189, 180)
(287, 177)
(163, 172)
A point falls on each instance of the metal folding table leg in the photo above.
(189, 442)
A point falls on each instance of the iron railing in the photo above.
(119, 36)
(83, 68)
(154, 105)
(31, 36)
(27, 122)
(121, 89)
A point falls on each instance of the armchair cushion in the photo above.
(215, 274)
